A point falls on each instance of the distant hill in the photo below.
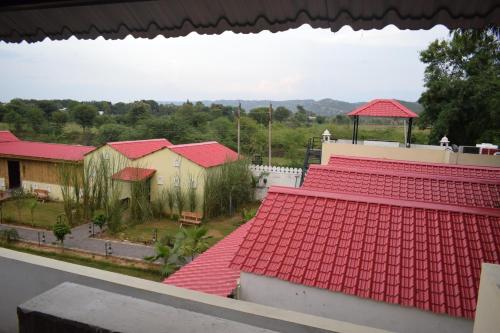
(323, 107)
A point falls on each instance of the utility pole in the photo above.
(270, 128)
(238, 120)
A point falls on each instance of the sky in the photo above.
(303, 63)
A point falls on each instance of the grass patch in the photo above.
(148, 274)
(45, 214)
(218, 228)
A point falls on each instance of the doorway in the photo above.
(14, 174)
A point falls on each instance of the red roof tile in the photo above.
(453, 170)
(139, 148)
(413, 254)
(210, 272)
(7, 136)
(383, 108)
(207, 154)
(42, 150)
(133, 174)
(399, 185)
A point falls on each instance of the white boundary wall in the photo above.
(268, 176)
(361, 311)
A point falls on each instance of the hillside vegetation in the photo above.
(95, 123)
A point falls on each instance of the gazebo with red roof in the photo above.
(382, 108)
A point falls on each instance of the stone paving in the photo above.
(80, 239)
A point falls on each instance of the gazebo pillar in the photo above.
(355, 130)
(408, 135)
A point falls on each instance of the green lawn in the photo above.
(143, 233)
(45, 213)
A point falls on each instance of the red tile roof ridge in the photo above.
(134, 141)
(467, 166)
(401, 107)
(384, 201)
(44, 150)
(193, 144)
(390, 172)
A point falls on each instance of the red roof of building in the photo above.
(413, 254)
(133, 174)
(410, 167)
(404, 186)
(7, 136)
(210, 272)
(42, 150)
(207, 154)
(139, 148)
(383, 108)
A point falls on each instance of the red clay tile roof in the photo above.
(210, 272)
(399, 185)
(42, 150)
(7, 136)
(139, 148)
(383, 108)
(207, 154)
(453, 170)
(133, 174)
(413, 254)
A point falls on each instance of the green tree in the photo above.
(60, 230)
(462, 81)
(112, 132)
(48, 107)
(59, 119)
(14, 119)
(281, 113)
(35, 117)
(85, 115)
(260, 115)
(139, 111)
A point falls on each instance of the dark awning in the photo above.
(32, 20)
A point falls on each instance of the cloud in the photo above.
(300, 63)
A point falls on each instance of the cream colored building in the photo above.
(417, 153)
(163, 164)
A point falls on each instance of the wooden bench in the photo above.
(41, 195)
(190, 218)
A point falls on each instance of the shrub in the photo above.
(99, 220)
(227, 187)
(9, 235)
(60, 230)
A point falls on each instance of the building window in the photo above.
(177, 181)
(177, 162)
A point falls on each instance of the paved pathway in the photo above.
(79, 239)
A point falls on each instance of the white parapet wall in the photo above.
(488, 304)
(268, 176)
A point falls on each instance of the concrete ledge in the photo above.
(38, 273)
(70, 307)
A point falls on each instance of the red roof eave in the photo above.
(383, 108)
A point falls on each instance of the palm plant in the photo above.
(168, 256)
(192, 241)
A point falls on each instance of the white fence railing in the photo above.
(274, 176)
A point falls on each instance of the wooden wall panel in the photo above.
(40, 171)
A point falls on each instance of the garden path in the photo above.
(80, 239)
